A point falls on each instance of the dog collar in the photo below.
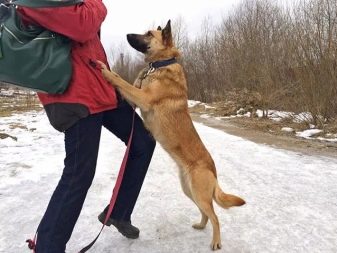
(159, 64)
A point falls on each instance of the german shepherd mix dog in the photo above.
(160, 91)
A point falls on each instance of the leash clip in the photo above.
(149, 71)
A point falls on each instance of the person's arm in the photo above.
(80, 22)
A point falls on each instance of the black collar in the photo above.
(159, 64)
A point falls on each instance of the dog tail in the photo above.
(226, 200)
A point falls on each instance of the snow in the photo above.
(192, 103)
(308, 133)
(205, 116)
(327, 139)
(12, 91)
(6, 93)
(287, 129)
(291, 197)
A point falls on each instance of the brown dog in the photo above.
(161, 95)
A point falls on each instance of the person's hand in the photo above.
(110, 76)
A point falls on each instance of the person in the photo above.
(88, 104)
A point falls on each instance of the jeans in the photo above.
(81, 145)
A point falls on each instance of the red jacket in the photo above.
(80, 23)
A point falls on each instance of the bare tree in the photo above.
(315, 37)
(277, 57)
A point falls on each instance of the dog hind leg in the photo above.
(207, 208)
(186, 189)
(203, 184)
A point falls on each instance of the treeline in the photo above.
(285, 55)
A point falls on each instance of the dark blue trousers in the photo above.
(81, 145)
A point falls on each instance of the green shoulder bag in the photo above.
(31, 56)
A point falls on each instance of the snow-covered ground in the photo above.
(291, 198)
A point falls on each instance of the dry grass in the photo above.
(331, 127)
(18, 104)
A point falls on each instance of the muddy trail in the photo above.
(287, 142)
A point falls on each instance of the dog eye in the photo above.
(149, 34)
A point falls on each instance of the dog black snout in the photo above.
(129, 36)
(137, 42)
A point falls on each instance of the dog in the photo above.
(160, 92)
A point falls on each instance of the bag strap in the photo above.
(45, 3)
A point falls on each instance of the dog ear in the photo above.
(167, 35)
(159, 28)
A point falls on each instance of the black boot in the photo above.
(123, 227)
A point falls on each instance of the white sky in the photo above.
(131, 16)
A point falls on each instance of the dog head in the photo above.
(155, 44)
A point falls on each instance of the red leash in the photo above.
(32, 243)
(117, 186)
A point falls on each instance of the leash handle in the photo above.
(117, 185)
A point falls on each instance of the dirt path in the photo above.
(307, 147)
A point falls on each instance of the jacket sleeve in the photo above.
(80, 22)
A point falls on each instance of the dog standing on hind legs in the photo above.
(160, 92)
